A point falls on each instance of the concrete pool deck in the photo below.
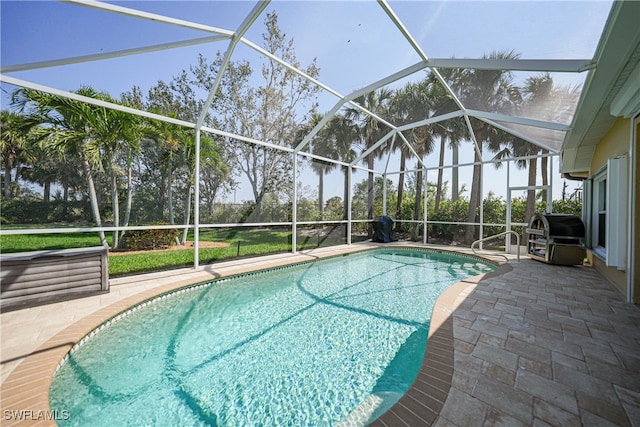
(531, 344)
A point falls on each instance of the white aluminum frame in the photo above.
(237, 36)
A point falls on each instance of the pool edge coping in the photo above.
(26, 388)
(423, 401)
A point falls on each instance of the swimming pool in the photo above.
(305, 345)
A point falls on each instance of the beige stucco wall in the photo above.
(614, 143)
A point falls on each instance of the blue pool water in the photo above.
(336, 340)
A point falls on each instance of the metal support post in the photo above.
(294, 207)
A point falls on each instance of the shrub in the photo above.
(138, 240)
(571, 206)
(26, 211)
(450, 212)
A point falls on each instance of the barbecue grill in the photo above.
(556, 239)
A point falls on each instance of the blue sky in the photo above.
(354, 42)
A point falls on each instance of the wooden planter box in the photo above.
(40, 277)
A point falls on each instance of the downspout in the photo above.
(633, 180)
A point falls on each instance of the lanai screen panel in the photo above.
(354, 45)
(96, 47)
(522, 31)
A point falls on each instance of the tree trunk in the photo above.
(170, 197)
(93, 198)
(115, 204)
(321, 194)
(129, 203)
(257, 212)
(370, 181)
(403, 160)
(455, 188)
(474, 200)
(187, 215)
(443, 139)
(531, 194)
(345, 205)
(46, 191)
(7, 182)
(417, 203)
(544, 170)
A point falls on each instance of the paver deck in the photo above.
(545, 345)
(531, 344)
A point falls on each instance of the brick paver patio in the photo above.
(542, 345)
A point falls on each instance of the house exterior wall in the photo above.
(615, 143)
(617, 277)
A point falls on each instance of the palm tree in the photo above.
(485, 90)
(175, 146)
(414, 103)
(117, 134)
(371, 131)
(209, 157)
(342, 133)
(166, 139)
(68, 131)
(537, 90)
(320, 146)
(44, 169)
(423, 143)
(321, 168)
(544, 101)
(48, 165)
(516, 147)
(450, 130)
(129, 148)
(96, 135)
(405, 154)
(399, 111)
(14, 145)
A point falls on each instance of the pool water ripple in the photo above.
(297, 346)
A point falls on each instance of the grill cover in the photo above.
(383, 230)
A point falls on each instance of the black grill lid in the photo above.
(560, 224)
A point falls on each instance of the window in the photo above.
(599, 224)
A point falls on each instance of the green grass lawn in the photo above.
(241, 242)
